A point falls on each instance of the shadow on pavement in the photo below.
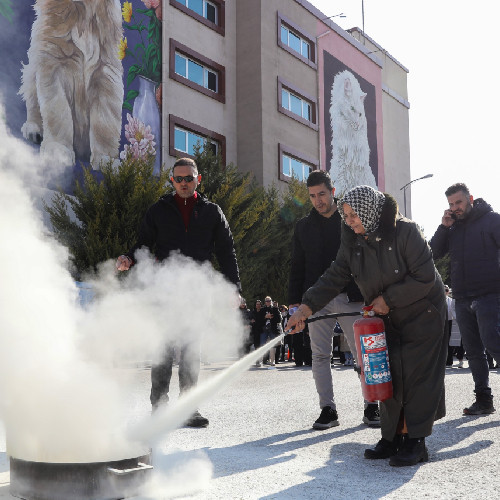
(262, 453)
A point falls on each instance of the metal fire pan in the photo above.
(78, 481)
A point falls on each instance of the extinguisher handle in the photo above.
(332, 315)
(367, 311)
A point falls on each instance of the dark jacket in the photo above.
(258, 322)
(315, 244)
(275, 321)
(396, 262)
(474, 247)
(162, 231)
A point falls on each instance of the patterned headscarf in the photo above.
(367, 202)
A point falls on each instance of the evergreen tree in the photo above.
(101, 220)
(443, 266)
(107, 213)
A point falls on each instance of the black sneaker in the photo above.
(327, 419)
(197, 420)
(482, 406)
(371, 416)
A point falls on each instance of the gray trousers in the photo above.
(321, 334)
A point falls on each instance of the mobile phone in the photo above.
(453, 216)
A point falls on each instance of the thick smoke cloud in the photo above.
(60, 397)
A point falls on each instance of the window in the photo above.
(294, 164)
(296, 41)
(208, 12)
(197, 71)
(296, 168)
(296, 104)
(184, 136)
(186, 142)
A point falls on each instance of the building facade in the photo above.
(278, 88)
(291, 92)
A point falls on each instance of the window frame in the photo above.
(296, 155)
(297, 30)
(220, 27)
(313, 123)
(176, 121)
(207, 63)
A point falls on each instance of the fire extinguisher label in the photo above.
(375, 358)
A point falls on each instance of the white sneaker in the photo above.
(460, 364)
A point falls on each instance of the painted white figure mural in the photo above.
(72, 84)
(350, 165)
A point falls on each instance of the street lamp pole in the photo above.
(411, 182)
(331, 17)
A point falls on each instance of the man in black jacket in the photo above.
(187, 222)
(470, 232)
(316, 242)
(271, 319)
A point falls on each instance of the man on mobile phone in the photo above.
(470, 232)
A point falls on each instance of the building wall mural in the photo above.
(350, 126)
(84, 78)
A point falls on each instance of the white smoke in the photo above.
(60, 399)
(177, 475)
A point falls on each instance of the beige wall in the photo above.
(249, 84)
(187, 103)
(276, 62)
(396, 149)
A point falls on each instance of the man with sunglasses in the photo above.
(184, 221)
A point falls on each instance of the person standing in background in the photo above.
(316, 241)
(272, 326)
(470, 233)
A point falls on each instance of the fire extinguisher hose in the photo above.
(333, 315)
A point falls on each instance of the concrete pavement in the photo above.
(260, 444)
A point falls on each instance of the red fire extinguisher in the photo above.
(373, 357)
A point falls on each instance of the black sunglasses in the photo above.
(180, 178)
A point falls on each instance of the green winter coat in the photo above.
(396, 262)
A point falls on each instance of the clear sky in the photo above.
(450, 50)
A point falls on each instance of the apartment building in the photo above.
(259, 78)
(279, 88)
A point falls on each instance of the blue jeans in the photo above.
(479, 321)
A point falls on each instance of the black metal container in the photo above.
(78, 481)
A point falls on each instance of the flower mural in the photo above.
(127, 11)
(146, 54)
(122, 49)
(141, 53)
(141, 141)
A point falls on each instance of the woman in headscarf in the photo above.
(392, 265)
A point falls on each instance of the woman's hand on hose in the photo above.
(297, 321)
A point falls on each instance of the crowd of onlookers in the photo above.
(268, 319)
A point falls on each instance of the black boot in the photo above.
(412, 452)
(482, 406)
(385, 448)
